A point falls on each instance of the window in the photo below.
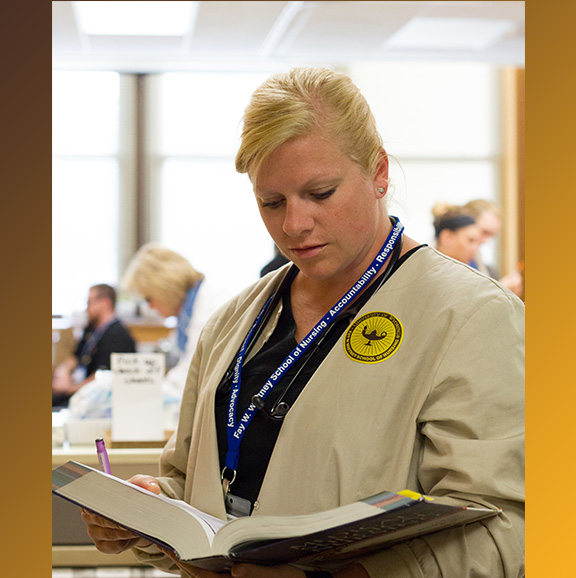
(85, 185)
(440, 123)
(206, 210)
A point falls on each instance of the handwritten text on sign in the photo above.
(139, 368)
(137, 413)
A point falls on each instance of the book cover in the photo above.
(324, 540)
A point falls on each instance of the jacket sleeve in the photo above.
(472, 452)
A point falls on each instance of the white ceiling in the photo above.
(242, 34)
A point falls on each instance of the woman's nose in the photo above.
(297, 219)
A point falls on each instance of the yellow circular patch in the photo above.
(373, 338)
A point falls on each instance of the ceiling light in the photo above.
(450, 33)
(135, 18)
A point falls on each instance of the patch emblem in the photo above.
(373, 338)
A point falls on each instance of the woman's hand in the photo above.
(107, 536)
(110, 538)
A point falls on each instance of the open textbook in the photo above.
(324, 540)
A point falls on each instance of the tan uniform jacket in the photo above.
(443, 415)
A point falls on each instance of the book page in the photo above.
(277, 527)
(170, 521)
(214, 523)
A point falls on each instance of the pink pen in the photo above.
(103, 456)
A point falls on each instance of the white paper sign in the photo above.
(137, 413)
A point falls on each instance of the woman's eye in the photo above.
(325, 194)
(271, 204)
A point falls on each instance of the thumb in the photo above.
(153, 486)
(149, 483)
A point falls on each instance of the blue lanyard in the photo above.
(185, 317)
(93, 339)
(236, 430)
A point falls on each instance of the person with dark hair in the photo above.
(104, 334)
(455, 232)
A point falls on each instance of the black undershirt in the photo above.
(261, 435)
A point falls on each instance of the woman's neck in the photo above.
(312, 298)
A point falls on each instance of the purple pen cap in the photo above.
(103, 455)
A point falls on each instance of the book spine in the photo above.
(367, 541)
(414, 519)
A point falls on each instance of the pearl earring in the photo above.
(380, 189)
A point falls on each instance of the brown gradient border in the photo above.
(26, 272)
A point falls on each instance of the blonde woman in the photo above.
(171, 286)
(371, 363)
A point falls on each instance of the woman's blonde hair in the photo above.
(156, 272)
(478, 206)
(293, 104)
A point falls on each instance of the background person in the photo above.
(104, 334)
(455, 232)
(489, 221)
(171, 286)
(392, 392)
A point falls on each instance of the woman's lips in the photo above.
(307, 252)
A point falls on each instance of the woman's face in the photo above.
(489, 225)
(320, 208)
(461, 244)
(162, 308)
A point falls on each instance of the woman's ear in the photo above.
(445, 238)
(381, 178)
